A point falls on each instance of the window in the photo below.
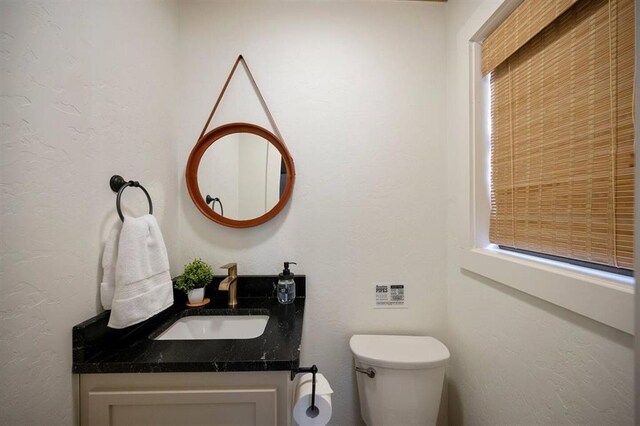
(562, 159)
(523, 37)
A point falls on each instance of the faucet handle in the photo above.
(232, 269)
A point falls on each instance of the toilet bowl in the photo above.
(399, 378)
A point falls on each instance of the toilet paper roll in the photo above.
(301, 412)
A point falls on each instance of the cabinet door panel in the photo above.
(158, 407)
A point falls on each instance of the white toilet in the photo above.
(399, 378)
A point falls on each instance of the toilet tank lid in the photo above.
(401, 352)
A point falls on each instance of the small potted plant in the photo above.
(193, 280)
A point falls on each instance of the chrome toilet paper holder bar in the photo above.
(313, 410)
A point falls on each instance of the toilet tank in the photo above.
(409, 373)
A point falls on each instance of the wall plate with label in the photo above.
(390, 295)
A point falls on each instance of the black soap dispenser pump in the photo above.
(286, 285)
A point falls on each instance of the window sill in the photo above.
(604, 297)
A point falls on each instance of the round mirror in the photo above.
(240, 175)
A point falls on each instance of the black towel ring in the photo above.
(215, 200)
(118, 184)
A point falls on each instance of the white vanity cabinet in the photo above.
(230, 398)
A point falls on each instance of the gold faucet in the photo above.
(230, 283)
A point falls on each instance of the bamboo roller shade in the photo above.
(562, 138)
(531, 17)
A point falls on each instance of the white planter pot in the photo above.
(196, 295)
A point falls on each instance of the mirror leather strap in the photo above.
(258, 93)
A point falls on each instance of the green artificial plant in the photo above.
(196, 274)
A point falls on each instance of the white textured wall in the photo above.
(356, 90)
(515, 358)
(86, 92)
(90, 89)
(219, 172)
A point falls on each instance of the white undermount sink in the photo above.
(207, 327)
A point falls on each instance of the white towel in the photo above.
(109, 258)
(143, 282)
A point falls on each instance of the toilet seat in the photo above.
(399, 352)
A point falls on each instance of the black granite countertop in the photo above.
(99, 349)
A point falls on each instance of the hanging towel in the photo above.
(109, 258)
(143, 282)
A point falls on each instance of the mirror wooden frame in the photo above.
(210, 138)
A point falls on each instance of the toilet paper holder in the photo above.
(313, 370)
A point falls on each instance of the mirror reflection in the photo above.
(241, 176)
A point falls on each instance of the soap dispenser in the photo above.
(286, 286)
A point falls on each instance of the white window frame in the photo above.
(601, 296)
